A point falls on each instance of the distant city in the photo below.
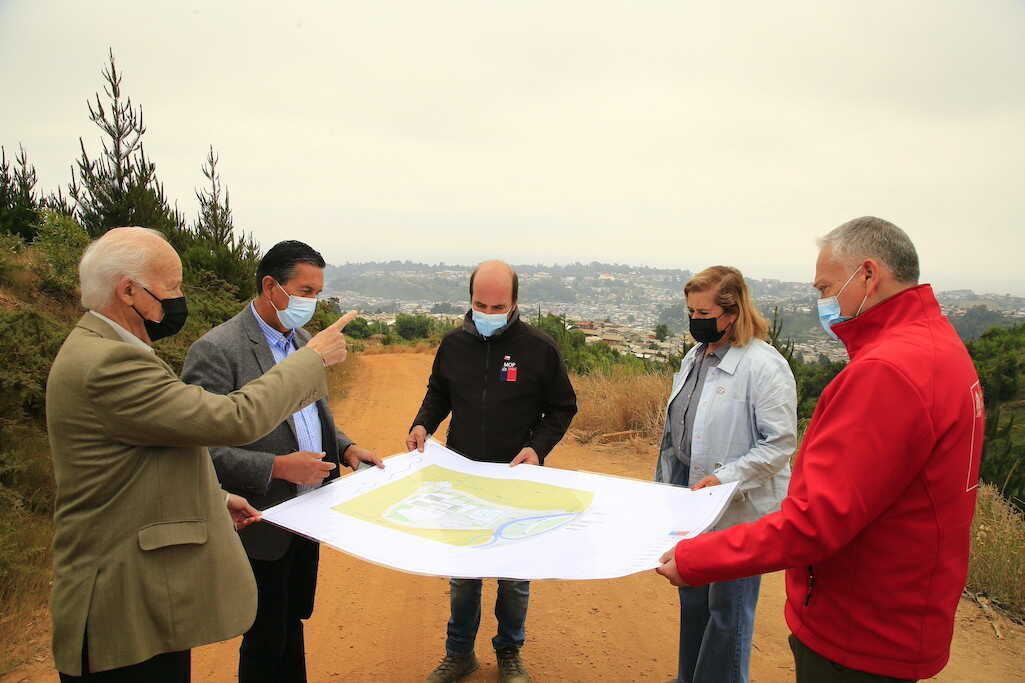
(621, 305)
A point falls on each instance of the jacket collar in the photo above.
(264, 357)
(471, 329)
(261, 350)
(97, 326)
(733, 356)
(910, 305)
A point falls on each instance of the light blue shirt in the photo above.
(307, 420)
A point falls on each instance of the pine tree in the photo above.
(217, 248)
(120, 186)
(214, 222)
(19, 205)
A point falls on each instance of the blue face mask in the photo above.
(488, 324)
(299, 311)
(829, 309)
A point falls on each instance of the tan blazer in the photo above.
(145, 554)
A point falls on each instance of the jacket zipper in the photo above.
(811, 585)
(484, 400)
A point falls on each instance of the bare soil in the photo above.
(376, 624)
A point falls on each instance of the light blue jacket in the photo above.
(745, 430)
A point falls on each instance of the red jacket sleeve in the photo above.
(868, 440)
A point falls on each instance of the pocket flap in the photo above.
(163, 534)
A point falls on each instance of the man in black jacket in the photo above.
(511, 401)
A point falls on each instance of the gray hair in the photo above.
(871, 237)
(112, 257)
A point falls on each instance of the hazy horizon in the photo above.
(751, 275)
(663, 134)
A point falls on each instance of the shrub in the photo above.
(358, 329)
(61, 241)
(29, 341)
(412, 326)
(11, 246)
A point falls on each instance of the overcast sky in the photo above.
(672, 133)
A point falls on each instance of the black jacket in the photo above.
(505, 392)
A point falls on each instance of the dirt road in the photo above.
(377, 624)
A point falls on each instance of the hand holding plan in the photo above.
(668, 568)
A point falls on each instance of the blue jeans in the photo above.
(716, 629)
(510, 609)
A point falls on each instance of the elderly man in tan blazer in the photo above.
(147, 563)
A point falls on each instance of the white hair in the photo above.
(871, 237)
(112, 257)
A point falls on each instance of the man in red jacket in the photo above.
(874, 532)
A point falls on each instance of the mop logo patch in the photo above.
(509, 370)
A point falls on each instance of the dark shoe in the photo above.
(510, 667)
(453, 668)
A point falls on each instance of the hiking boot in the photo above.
(510, 666)
(453, 668)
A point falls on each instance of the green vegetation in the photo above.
(999, 356)
(19, 203)
(41, 243)
(416, 327)
(977, 320)
(811, 378)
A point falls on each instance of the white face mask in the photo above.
(298, 312)
(829, 309)
(489, 323)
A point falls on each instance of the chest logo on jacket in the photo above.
(509, 370)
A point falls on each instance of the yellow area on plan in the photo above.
(466, 509)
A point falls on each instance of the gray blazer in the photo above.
(222, 361)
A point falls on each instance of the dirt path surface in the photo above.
(376, 624)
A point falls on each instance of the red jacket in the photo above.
(874, 532)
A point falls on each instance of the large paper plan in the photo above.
(439, 513)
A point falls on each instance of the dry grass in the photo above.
(26, 595)
(339, 376)
(26, 531)
(997, 565)
(620, 401)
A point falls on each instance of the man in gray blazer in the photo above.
(298, 456)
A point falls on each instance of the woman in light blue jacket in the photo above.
(731, 416)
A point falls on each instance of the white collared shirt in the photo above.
(122, 332)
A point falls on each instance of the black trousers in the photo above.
(814, 668)
(272, 650)
(167, 667)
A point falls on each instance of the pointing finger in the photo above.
(340, 324)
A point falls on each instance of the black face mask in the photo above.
(175, 313)
(705, 330)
